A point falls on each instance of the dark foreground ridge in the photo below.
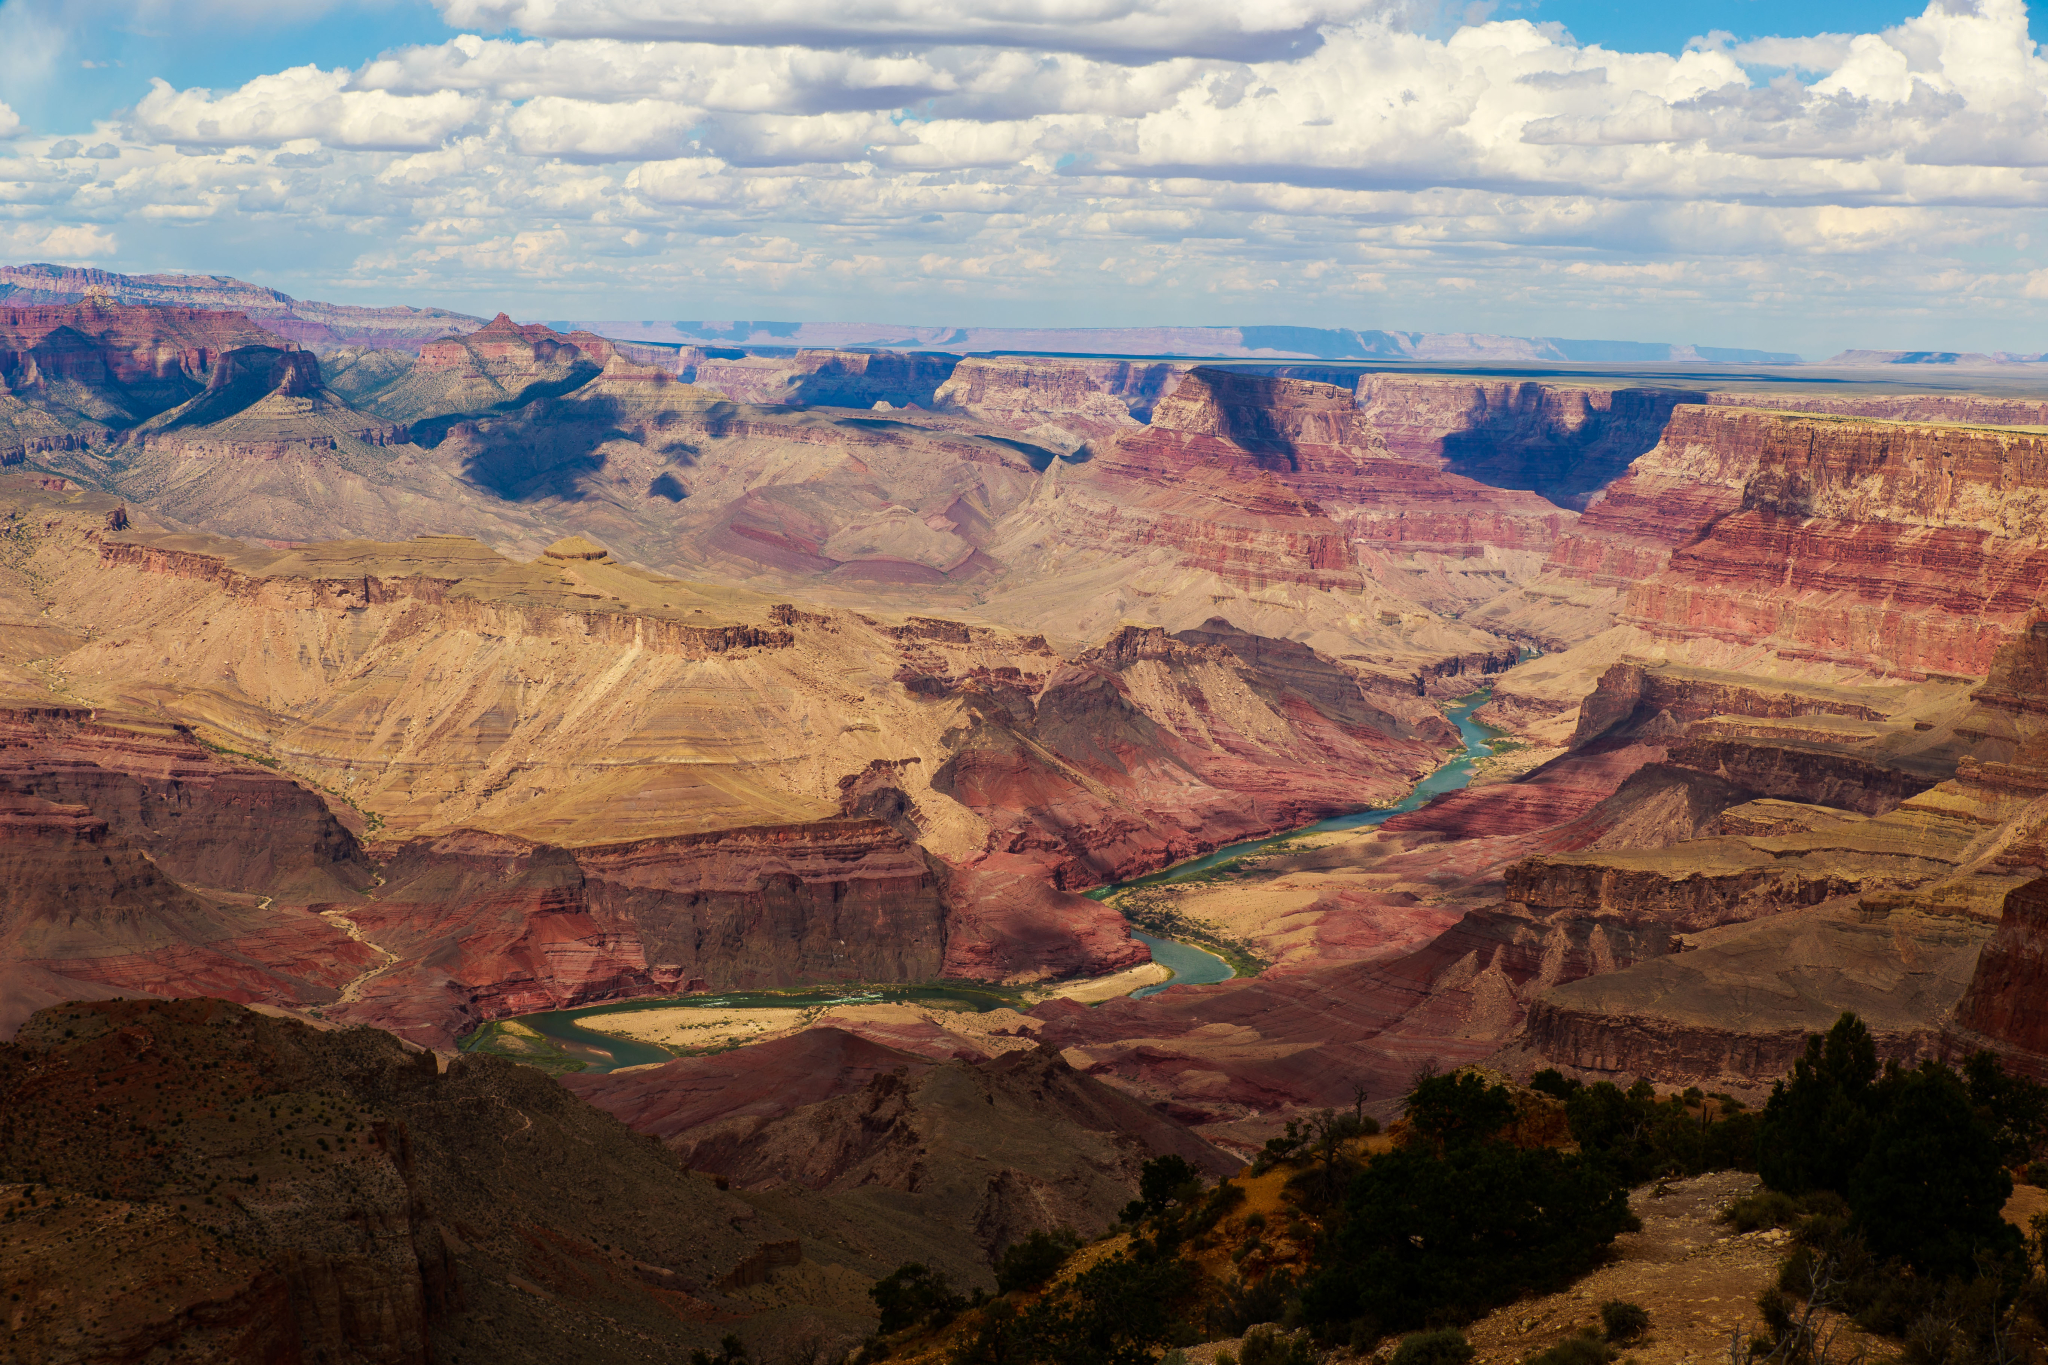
(194, 1177)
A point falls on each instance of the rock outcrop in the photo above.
(98, 362)
(830, 379)
(1063, 403)
(2001, 1008)
(138, 862)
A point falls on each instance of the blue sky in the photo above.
(1359, 163)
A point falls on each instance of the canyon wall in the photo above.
(1905, 550)
(138, 861)
(509, 926)
(298, 320)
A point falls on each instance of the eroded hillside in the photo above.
(626, 670)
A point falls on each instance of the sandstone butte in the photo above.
(571, 671)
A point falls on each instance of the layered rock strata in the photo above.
(137, 862)
(1907, 550)
(510, 927)
(299, 320)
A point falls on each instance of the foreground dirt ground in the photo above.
(1696, 1276)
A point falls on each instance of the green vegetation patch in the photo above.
(510, 1039)
(1155, 910)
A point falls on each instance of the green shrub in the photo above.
(1117, 1312)
(912, 1294)
(1265, 1346)
(1764, 1209)
(1554, 1083)
(1445, 1347)
(1623, 1321)
(1031, 1262)
(1459, 1110)
(1242, 1306)
(1428, 1236)
(1225, 1197)
(1579, 1350)
(1162, 1181)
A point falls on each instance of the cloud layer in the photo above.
(1349, 162)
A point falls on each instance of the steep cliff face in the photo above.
(483, 926)
(1669, 497)
(1262, 482)
(1633, 696)
(1905, 549)
(1086, 400)
(2002, 1005)
(1563, 441)
(1941, 409)
(101, 362)
(205, 820)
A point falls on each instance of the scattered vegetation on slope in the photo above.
(1891, 1179)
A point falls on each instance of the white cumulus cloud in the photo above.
(1286, 160)
(303, 102)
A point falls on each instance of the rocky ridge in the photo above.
(318, 325)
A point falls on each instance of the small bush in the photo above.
(2037, 1174)
(1624, 1321)
(1031, 1262)
(1934, 1340)
(1445, 1347)
(1225, 1197)
(1764, 1209)
(1552, 1082)
(731, 1351)
(912, 1294)
(1265, 1346)
(1776, 1307)
(1581, 1350)
(1243, 1306)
